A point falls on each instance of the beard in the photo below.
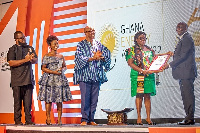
(23, 44)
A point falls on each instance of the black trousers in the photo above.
(188, 97)
(22, 93)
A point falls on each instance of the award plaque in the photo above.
(158, 62)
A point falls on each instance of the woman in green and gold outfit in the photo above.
(139, 58)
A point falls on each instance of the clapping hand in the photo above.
(98, 55)
(32, 56)
(29, 56)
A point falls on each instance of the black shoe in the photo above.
(30, 123)
(140, 123)
(48, 122)
(186, 122)
(152, 123)
(19, 123)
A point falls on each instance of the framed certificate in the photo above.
(158, 62)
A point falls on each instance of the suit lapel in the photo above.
(179, 42)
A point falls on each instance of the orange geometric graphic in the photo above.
(31, 14)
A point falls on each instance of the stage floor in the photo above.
(101, 128)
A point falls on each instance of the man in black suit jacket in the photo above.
(184, 69)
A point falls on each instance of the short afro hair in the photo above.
(50, 39)
(16, 34)
(184, 24)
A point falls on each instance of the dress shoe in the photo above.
(19, 123)
(140, 123)
(92, 123)
(84, 123)
(186, 122)
(29, 123)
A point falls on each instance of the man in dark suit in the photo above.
(184, 69)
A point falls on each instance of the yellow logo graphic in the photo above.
(193, 24)
(196, 34)
(196, 37)
(109, 38)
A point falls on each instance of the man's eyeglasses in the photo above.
(89, 31)
(21, 37)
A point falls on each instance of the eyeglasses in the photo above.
(23, 37)
(142, 38)
(90, 31)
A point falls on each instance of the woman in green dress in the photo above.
(139, 57)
